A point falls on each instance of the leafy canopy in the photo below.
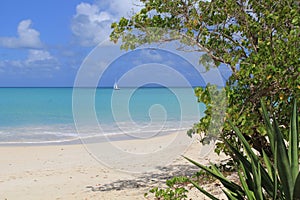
(258, 40)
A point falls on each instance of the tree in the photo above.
(258, 40)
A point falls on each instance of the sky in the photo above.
(45, 43)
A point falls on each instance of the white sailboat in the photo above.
(116, 86)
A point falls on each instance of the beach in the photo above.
(69, 171)
(49, 149)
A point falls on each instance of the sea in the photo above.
(51, 115)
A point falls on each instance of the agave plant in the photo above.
(262, 178)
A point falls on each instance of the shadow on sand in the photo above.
(148, 179)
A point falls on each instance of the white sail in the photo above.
(116, 86)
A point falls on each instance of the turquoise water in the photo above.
(37, 115)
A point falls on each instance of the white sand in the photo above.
(70, 172)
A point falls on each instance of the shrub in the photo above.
(262, 178)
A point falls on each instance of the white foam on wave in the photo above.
(64, 133)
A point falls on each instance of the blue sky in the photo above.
(44, 42)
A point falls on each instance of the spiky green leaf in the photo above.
(230, 196)
(284, 169)
(227, 183)
(267, 183)
(245, 143)
(269, 166)
(268, 124)
(296, 188)
(294, 144)
(245, 186)
(209, 195)
(257, 181)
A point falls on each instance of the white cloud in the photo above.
(38, 55)
(41, 59)
(8, 64)
(36, 59)
(27, 37)
(91, 23)
(15, 63)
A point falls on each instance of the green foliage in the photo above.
(213, 121)
(176, 189)
(258, 40)
(261, 178)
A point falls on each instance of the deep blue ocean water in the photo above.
(35, 115)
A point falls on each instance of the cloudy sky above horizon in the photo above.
(44, 42)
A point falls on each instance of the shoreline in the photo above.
(88, 139)
(71, 172)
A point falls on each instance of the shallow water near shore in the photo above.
(45, 115)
